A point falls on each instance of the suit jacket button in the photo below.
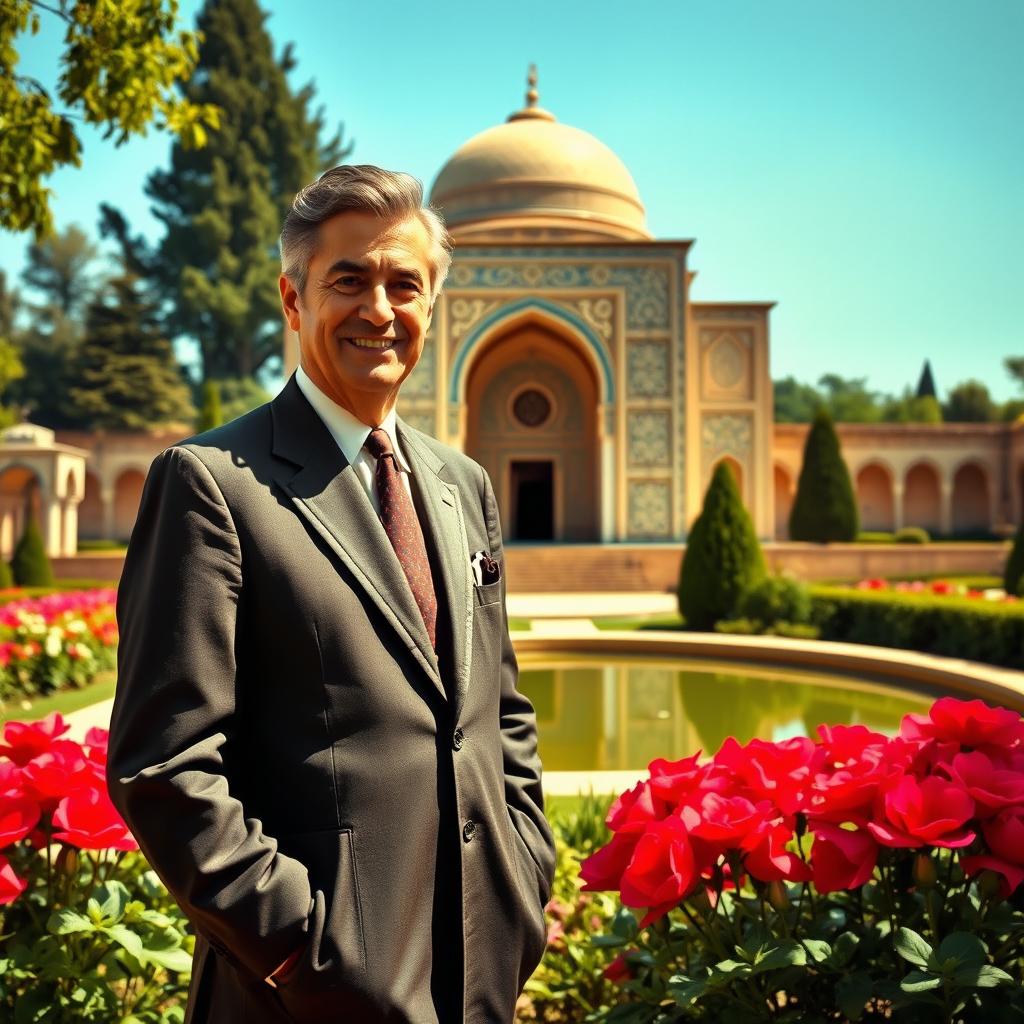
(458, 739)
(468, 831)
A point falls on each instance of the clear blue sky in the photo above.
(860, 162)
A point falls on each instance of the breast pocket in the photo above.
(488, 593)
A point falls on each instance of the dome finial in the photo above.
(531, 110)
(531, 93)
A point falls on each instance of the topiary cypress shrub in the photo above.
(6, 576)
(210, 414)
(776, 599)
(824, 508)
(1014, 569)
(723, 557)
(30, 565)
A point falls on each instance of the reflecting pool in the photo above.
(607, 716)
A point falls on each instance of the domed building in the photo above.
(565, 354)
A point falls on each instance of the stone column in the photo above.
(51, 522)
(69, 540)
(946, 506)
(897, 505)
(107, 497)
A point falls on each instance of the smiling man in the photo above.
(317, 736)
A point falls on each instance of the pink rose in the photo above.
(990, 786)
(1005, 834)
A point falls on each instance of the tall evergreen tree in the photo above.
(722, 558)
(223, 205)
(124, 373)
(210, 415)
(824, 508)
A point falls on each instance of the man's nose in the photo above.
(376, 308)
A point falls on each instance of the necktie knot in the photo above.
(378, 444)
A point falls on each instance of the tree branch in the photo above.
(53, 10)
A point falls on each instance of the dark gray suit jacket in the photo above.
(296, 762)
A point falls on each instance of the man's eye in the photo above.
(408, 286)
(348, 281)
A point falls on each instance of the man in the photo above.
(317, 737)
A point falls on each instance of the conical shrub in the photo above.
(824, 508)
(210, 413)
(6, 576)
(1014, 569)
(30, 565)
(723, 557)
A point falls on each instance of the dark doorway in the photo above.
(533, 500)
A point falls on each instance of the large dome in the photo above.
(535, 177)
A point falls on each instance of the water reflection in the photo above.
(620, 716)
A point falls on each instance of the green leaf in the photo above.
(114, 898)
(177, 960)
(624, 925)
(843, 948)
(609, 941)
(919, 981)
(964, 949)
(68, 922)
(985, 976)
(912, 947)
(125, 937)
(852, 993)
(818, 949)
(687, 990)
(786, 954)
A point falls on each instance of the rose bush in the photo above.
(87, 932)
(51, 642)
(853, 877)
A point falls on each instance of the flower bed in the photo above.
(87, 932)
(953, 625)
(935, 588)
(55, 641)
(857, 877)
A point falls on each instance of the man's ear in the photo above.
(289, 302)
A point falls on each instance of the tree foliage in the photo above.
(1013, 571)
(970, 402)
(223, 206)
(824, 508)
(722, 558)
(119, 64)
(124, 375)
(210, 414)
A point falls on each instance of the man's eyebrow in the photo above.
(346, 265)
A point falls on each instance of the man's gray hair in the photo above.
(364, 188)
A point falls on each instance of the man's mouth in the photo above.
(377, 343)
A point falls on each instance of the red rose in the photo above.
(662, 871)
(11, 886)
(18, 816)
(730, 822)
(1010, 875)
(991, 786)
(57, 772)
(779, 772)
(971, 723)
(618, 970)
(840, 858)
(685, 780)
(770, 861)
(853, 763)
(1005, 834)
(932, 812)
(10, 779)
(635, 808)
(89, 820)
(26, 740)
(603, 870)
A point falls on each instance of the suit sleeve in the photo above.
(523, 792)
(174, 721)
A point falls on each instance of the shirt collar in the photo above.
(349, 432)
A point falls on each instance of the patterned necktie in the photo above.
(402, 526)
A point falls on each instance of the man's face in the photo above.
(364, 312)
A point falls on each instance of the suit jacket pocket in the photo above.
(488, 593)
(337, 947)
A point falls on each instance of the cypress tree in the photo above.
(223, 205)
(6, 576)
(824, 508)
(1014, 569)
(124, 374)
(30, 564)
(210, 414)
(723, 557)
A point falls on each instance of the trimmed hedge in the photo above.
(979, 630)
(1014, 568)
(30, 564)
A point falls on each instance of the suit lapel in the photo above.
(327, 492)
(446, 525)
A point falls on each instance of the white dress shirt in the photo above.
(351, 434)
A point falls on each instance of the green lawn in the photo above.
(670, 620)
(64, 701)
